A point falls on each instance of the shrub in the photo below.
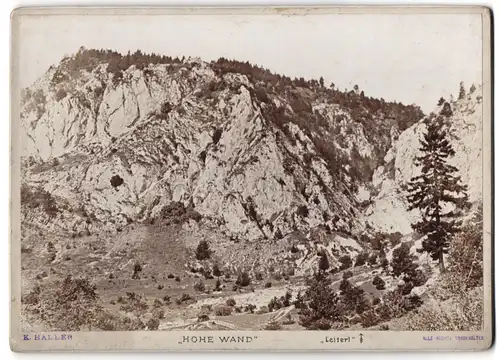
(395, 238)
(460, 313)
(203, 251)
(250, 308)
(277, 277)
(158, 313)
(231, 302)
(263, 310)
(116, 181)
(345, 262)
(320, 324)
(153, 324)
(466, 251)
(299, 301)
(353, 299)
(273, 325)
(178, 279)
(216, 135)
(261, 94)
(137, 270)
(39, 198)
(273, 304)
(157, 304)
(379, 283)
(403, 262)
(203, 317)
(216, 271)
(286, 299)
(369, 319)
(134, 302)
(68, 305)
(288, 320)
(207, 274)
(258, 276)
(268, 284)
(218, 286)
(323, 263)
(347, 274)
(361, 259)
(243, 279)
(199, 286)
(184, 298)
(320, 308)
(378, 242)
(165, 109)
(223, 310)
(446, 110)
(302, 211)
(372, 261)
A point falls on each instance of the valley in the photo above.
(161, 193)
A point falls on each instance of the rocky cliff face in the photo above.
(260, 157)
(387, 211)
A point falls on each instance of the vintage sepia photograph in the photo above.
(251, 170)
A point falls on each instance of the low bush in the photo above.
(379, 283)
(223, 310)
(243, 279)
(250, 308)
(273, 325)
(345, 262)
(153, 324)
(199, 286)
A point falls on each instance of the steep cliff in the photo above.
(388, 209)
(120, 138)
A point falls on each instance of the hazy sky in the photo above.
(408, 58)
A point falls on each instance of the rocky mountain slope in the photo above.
(131, 161)
(118, 139)
(387, 211)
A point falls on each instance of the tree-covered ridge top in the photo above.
(88, 59)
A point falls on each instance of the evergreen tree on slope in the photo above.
(434, 190)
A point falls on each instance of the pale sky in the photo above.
(407, 58)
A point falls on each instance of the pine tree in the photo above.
(203, 250)
(403, 262)
(461, 93)
(216, 271)
(322, 81)
(323, 263)
(435, 188)
(318, 310)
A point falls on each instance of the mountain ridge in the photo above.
(169, 130)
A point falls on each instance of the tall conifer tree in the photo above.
(434, 190)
